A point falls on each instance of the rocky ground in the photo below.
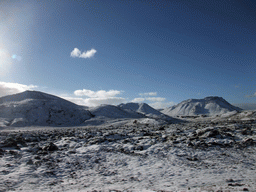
(193, 156)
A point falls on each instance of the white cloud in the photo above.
(99, 94)
(141, 99)
(138, 100)
(88, 54)
(109, 100)
(159, 99)
(12, 88)
(148, 94)
(250, 96)
(155, 102)
(161, 105)
(238, 85)
(96, 97)
(75, 53)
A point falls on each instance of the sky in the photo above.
(111, 52)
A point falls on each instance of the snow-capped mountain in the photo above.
(208, 106)
(140, 108)
(111, 111)
(37, 108)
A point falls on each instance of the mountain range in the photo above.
(34, 108)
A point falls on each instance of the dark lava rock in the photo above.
(192, 158)
(138, 148)
(30, 162)
(21, 140)
(10, 142)
(2, 152)
(246, 131)
(213, 133)
(230, 180)
(37, 157)
(31, 139)
(235, 184)
(247, 141)
(126, 141)
(15, 154)
(50, 147)
(13, 142)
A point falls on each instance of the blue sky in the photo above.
(158, 52)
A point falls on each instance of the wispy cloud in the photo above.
(238, 85)
(88, 54)
(154, 99)
(138, 100)
(141, 99)
(155, 102)
(148, 94)
(250, 96)
(12, 88)
(100, 93)
(159, 99)
(93, 102)
(158, 102)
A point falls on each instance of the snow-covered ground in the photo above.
(192, 156)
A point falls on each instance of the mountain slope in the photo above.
(207, 106)
(37, 108)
